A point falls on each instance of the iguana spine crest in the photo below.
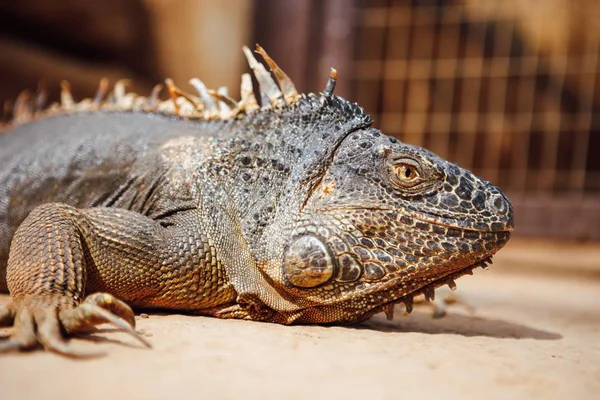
(206, 104)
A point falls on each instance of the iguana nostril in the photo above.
(500, 205)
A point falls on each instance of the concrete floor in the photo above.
(535, 334)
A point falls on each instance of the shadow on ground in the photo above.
(465, 325)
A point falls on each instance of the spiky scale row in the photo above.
(207, 104)
(428, 291)
(23, 108)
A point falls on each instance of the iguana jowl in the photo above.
(292, 211)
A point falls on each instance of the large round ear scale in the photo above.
(330, 86)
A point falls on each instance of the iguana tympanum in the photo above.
(290, 209)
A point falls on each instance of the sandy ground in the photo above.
(535, 335)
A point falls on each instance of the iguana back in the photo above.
(78, 159)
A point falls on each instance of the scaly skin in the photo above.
(298, 212)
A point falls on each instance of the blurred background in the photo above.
(506, 88)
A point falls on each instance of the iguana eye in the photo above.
(407, 175)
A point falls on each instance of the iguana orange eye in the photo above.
(407, 174)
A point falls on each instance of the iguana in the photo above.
(289, 209)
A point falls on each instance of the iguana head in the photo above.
(367, 221)
(387, 221)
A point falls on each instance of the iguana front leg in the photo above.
(60, 253)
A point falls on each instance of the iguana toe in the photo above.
(50, 337)
(23, 335)
(96, 309)
(42, 320)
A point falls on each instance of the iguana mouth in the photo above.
(406, 289)
(440, 220)
(428, 291)
(455, 223)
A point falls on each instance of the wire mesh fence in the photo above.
(471, 83)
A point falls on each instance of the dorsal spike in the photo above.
(101, 92)
(210, 106)
(120, 89)
(166, 107)
(330, 86)
(221, 94)
(154, 98)
(248, 102)
(66, 98)
(290, 94)
(179, 97)
(172, 93)
(186, 108)
(22, 108)
(41, 97)
(227, 106)
(139, 103)
(269, 91)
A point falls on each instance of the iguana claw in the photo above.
(41, 320)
